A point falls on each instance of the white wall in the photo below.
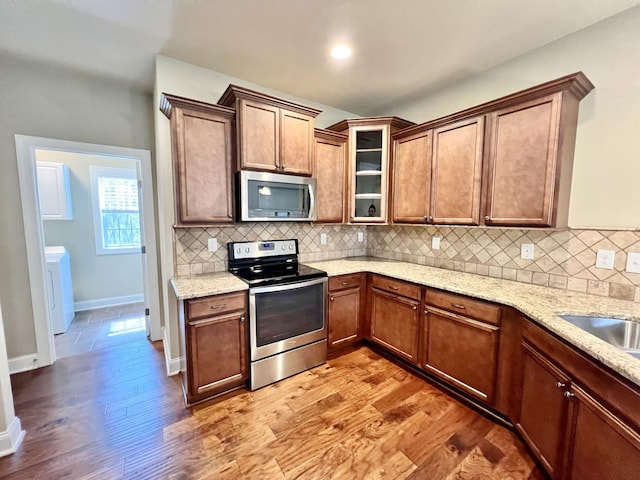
(95, 277)
(190, 81)
(49, 102)
(606, 170)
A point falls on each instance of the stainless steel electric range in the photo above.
(287, 309)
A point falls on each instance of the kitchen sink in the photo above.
(623, 334)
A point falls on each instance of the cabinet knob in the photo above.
(430, 219)
(332, 298)
(426, 311)
(242, 318)
(568, 394)
(283, 167)
(487, 218)
(415, 307)
(560, 384)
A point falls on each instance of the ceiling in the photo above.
(402, 49)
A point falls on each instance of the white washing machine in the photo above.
(59, 288)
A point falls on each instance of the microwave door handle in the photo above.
(312, 203)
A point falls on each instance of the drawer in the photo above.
(342, 282)
(396, 286)
(464, 306)
(216, 305)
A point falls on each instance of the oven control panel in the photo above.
(272, 248)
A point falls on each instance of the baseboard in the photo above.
(173, 364)
(11, 439)
(23, 363)
(107, 302)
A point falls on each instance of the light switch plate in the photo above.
(323, 238)
(633, 262)
(212, 244)
(605, 259)
(360, 236)
(526, 251)
(435, 243)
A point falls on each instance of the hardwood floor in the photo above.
(113, 413)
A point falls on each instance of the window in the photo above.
(116, 215)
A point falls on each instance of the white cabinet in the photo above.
(60, 288)
(54, 191)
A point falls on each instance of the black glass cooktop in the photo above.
(258, 276)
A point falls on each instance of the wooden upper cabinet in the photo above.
(505, 162)
(202, 149)
(456, 172)
(369, 160)
(330, 174)
(522, 159)
(437, 173)
(296, 143)
(273, 134)
(259, 136)
(411, 191)
(530, 158)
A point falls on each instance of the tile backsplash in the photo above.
(562, 259)
(192, 256)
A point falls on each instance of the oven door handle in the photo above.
(288, 286)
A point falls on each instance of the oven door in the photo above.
(284, 317)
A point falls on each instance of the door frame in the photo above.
(34, 238)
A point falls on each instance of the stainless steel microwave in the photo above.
(275, 197)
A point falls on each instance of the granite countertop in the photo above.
(206, 284)
(541, 304)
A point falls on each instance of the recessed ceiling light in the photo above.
(341, 52)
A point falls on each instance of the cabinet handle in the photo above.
(345, 283)
(393, 287)
(568, 394)
(332, 298)
(218, 307)
(242, 318)
(487, 218)
(560, 384)
(457, 305)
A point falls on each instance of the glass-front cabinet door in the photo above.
(369, 179)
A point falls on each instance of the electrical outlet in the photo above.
(526, 251)
(360, 236)
(435, 243)
(323, 238)
(633, 263)
(605, 259)
(212, 244)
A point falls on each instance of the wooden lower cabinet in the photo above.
(345, 311)
(543, 409)
(595, 433)
(578, 431)
(215, 334)
(395, 323)
(462, 351)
